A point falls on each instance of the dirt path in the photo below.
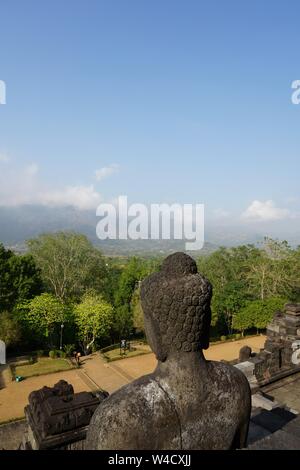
(14, 397)
(230, 351)
(95, 373)
(126, 370)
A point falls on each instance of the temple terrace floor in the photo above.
(95, 373)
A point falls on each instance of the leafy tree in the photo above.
(244, 318)
(26, 278)
(224, 268)
(129, 280)
(112, 278)
(247, 273)
(69, 264)
(264, 315)
(10, 331)
(295, 275)
(135, 271)
(19, 279)
(6, 294)
(138, 315)
(123, 321)
(269, 273)
(227, 303)
(43, 315)
(257, 314)
(93, 317)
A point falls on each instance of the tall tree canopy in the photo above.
(133, 273)
(20, 279)
(257, 313)
(93, 317)
(10, 331)
(69, 264)
(43, 314)
(248, 274)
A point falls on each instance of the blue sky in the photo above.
(171, 101)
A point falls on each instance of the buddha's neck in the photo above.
(182, 363)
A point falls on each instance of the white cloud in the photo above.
(265, 211)
(81, 197)
(106, 171)
(23, 186)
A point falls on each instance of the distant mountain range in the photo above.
(18, 224)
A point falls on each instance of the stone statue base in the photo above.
(57, 418)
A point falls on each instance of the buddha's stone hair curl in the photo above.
(176, 301)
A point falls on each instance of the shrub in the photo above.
(40, 353)
(53, 354)
(238, 336)
(223, 338)
(69, 348)
(62, 354)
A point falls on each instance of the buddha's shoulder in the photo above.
(119, 421)
(228, 377)
(137, 399)
(146, 388)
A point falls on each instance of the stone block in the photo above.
(256, 433)
(293, 427)
(272, 420)
(57, 417)
(292, 309)
(258, 400)
(280, 440)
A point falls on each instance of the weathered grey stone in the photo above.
(281, 354)
(258, 400)
(245, 353)
(187, 402)
(272, 420)
(276, 429)
(247, 368)
(292, 308)
(279, 440)
(256, 433)
(293, 427)
(57, 417)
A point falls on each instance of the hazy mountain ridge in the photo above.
(18, 224)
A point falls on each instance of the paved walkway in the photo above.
(133, 367)
(95, 373)
(14, 397)
(286, 391)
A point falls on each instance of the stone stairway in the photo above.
(272, 427)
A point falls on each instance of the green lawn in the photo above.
(114, 355)
(44, 365)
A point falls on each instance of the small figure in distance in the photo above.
(78, 355)
(123, 347)
(187, 402)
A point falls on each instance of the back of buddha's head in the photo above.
(176, 305)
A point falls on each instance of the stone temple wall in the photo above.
(280, 356)
(281, 353)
